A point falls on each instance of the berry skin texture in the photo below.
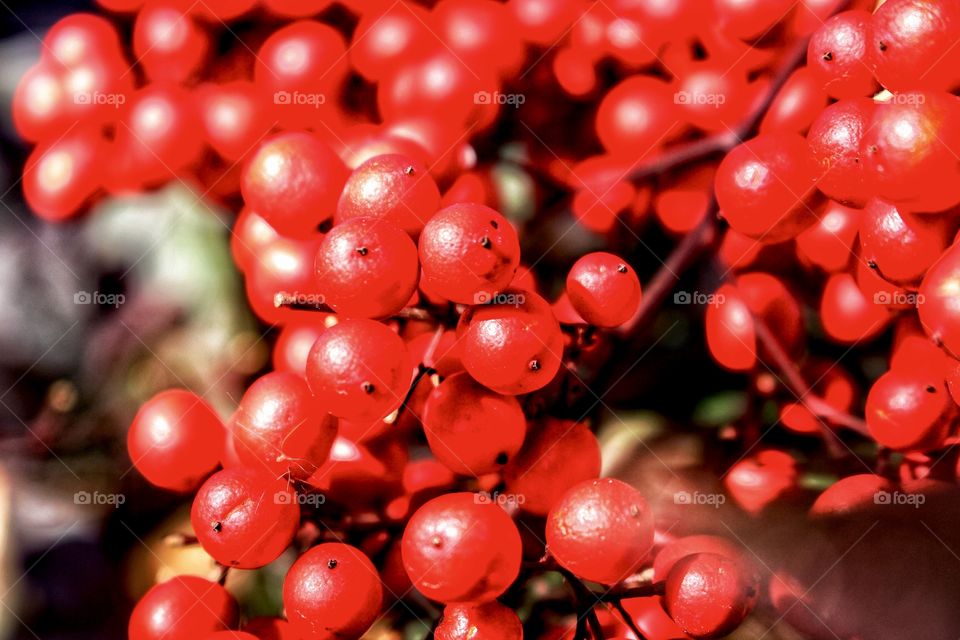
(556, 455)
(471, 429)
(359, 369)
(60, 177)
(912, 44)
(244, 519)
(601, 530)
(183, 608)
(836, 141)
(280, 428)
(675, 551)
(487, 621)
(709, 595)
(603, 289)
(762, 186)
(266, 628)
(332, 591)
(513, 345)
(293, 180)
(457, 549)
(635, 115)
(847, 314)
(367, 268)
(837, 55)
(393, 187)
(902, 245)
(849, 495)
(937, 301)
(468, 252)
(908, 411)
(175, 440)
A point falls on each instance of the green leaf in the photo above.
(720, 409)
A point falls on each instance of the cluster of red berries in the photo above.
(417, 359)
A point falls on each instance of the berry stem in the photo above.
(628, 619)
(586, 600)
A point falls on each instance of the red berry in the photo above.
(483, 34)
(601, 530)
(512, 345)
(757, 481)
(244, 519)
(850, 494)
(907, 410)
(280, 428)
(604, 289)
(234, 118)
(913, 44)
(359, 369)
(937, 301)
(471, 429)
(393, 187)
(900, 245)
(385, 40)
(675, 551)
(847, 314)
(556, 455)
(295, 340)
(333, 590)
(183, 608)
(367, 267)
(635, 117)
(762, 186)
(294, 180)
(270, 629)
(175, 440)
(838, 55)
(468, 252)
(487, 621)
(458, 549)
(167, 42)
(836, 141)
(749, 19)
(709, 595)
(828, 244)
(60, 177)
(797, 105)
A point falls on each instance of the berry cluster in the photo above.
(422, 380)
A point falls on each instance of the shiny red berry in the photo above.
(332, 591)
(838, 55)
(183, 608)
(487, 621)
(912, 44)
(175, 440)
(459, 549)
(709, 595)
(468, 252)
(359, 369)
(907, 410)
(603, 289)
(512, 345)
(245, 519)
(601, 530)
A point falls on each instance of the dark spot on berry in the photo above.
(872, 264)
(634, 510)
(494, 224)
(828, 56)
(485, 242)
(436, 541)
(367, 387)
(363, 251)
(872, 148)
(410, 170)
(534, 365)
(622, 268)
(217, 526)
(883, 46)
(931, 388)
(331, 564)
(502, 458)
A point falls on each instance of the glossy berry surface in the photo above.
(333, 590)
(457, 549)
(468, 252)
(359, 369)
(175, 440)
(244, 519)
(366, 267)
(487, 621)
(601, 530)
(603, 289)
(471, 429)
(708, 595)
(181, 608)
